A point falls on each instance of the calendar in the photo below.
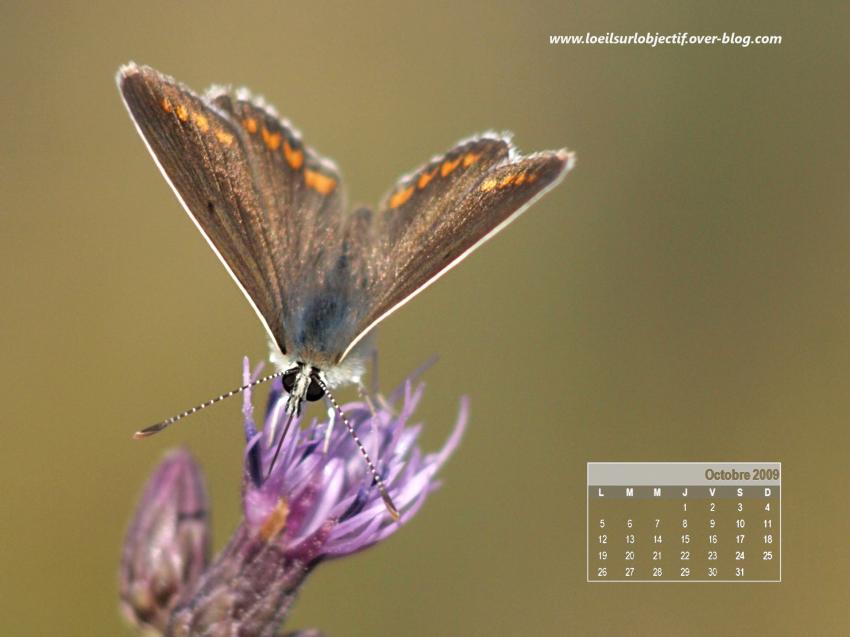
(684, 521)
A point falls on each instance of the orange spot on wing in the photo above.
(425, 178)
(531, 179)
(272, 140)
(322, 184)
(399, 198)
(488, 184)
(506, 181)
(295, 158)
(469, 159)
(182, 113)
(166, 105)
(449, 166)
(276, 521)
(250, 124)
(520, 179)
(224, 137)
(201, 122)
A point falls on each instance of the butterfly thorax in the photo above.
(333, 373)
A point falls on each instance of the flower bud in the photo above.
(317, 501)
(166, 548)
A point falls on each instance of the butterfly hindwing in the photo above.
(304, 216)
(273, 211)
(423, 196)
(303, 188)
(458, 216)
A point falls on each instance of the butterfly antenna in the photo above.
(153, 429)
(280, 443)
(385, 496)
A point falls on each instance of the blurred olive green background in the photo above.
(683, 295)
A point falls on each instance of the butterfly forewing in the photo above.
(273, 210)
(200, 153)
(456, 218)
(267, 204)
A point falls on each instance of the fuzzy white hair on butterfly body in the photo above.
(347, 372)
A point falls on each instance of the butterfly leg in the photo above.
(331, 422)
(382, 400)
(374, 391)
(373, 372)
(366, 397)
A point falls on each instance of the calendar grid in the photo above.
(684, 522)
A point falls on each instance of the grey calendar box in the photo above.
(684, 521)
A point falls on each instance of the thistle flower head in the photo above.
(318, 501)
(320, 493)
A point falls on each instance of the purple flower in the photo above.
(318, 501)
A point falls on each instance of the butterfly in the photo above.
(319, 277)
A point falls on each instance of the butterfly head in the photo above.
(302, 382)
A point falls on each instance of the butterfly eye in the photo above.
(314, 391)
(289, 380)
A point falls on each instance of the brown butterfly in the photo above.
(273, 210)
